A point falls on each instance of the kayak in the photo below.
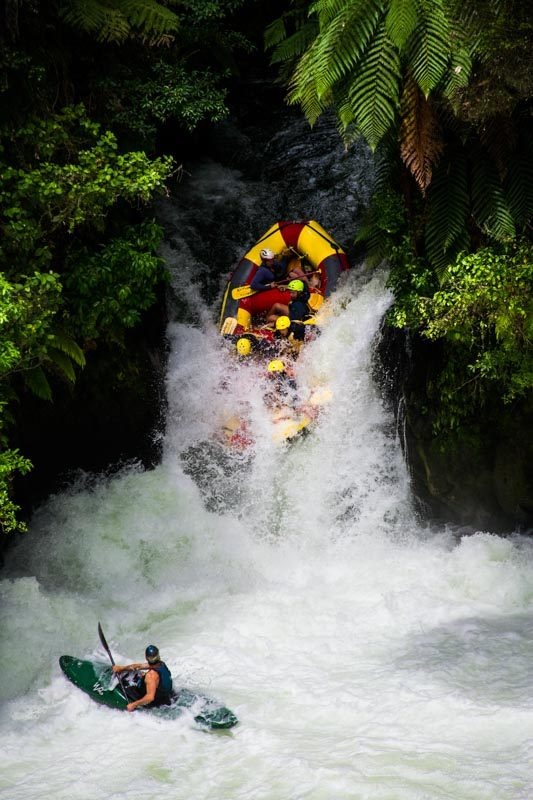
(97, 680)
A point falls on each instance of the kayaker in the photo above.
(154, 685)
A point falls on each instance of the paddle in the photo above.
(108, 651)
(246, 291)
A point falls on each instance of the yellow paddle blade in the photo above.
(241, 291)
(315, 301)
(228, 326)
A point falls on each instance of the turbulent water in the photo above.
(366, 656)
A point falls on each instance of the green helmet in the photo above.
(296, 285)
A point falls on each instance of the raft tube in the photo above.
(309, 239)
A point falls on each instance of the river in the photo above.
(367, 655)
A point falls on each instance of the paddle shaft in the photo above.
(108, 651)
(246, 290)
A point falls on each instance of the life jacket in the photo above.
(164, 689)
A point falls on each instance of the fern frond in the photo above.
(61, 341)
(337, 48)
(116, 20)
(490, 206)
(430, 46)
(448, 202)
(374, 91)
(62, 363)
(401, 21)
(275, 33)
(459, 72)
(420, 139)
(519, 187)
(296, 44)
(149, 16)
(37, 382)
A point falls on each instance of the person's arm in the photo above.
(152, 682)
(262, 280)
(129, 667)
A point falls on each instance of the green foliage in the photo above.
(107, 290)
(139, 104)
(118, 20)
(61, 179)
(10, 462)
(384, 221)
(483, 312)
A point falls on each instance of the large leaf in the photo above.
(430, 45)
(448, 211)
(490, 206)
(421, 142)
(401, 20)
(374, 92)
(37, 383)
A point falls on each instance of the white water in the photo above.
(365, 656)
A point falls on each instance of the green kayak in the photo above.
(98, 681)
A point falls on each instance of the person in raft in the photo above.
(297, 309)
(271, 271)
(153, 686)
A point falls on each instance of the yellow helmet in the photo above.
(282, 323)
(276, 366)
(244, 346)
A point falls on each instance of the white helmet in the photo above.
(266, 253)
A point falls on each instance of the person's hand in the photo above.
(131, 707)
(116, 668)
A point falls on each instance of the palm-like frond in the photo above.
(374, 91)
(448, 211)
(490, 206)
(37, 382)
(116, 20)
(519, 185)
(62, 363)
(296, 44)
(421, 142)
(336, 50)
(401, 20)
(429, 45)
(66, 344)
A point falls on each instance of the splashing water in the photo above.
(365, 655)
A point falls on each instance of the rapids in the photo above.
(367, 656)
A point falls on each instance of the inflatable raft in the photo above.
(303, 244)
(306, 241)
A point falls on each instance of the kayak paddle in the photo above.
(108, 651)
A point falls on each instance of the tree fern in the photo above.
(421, 141)
(519, 186)
(335, 51)
(116, 20)
(490, 206)
(448, 211)
(429, 45)
(401, 20)
(374, 92)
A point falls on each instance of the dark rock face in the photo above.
(482, 479)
